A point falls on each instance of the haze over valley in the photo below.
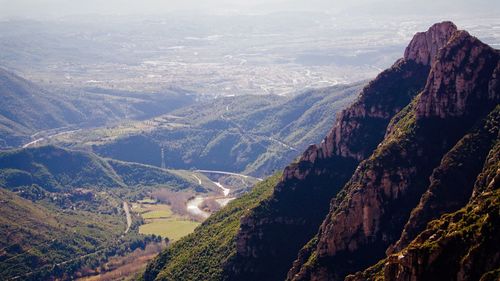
(270, 140)
(217, 55)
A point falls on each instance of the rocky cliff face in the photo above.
(464, 79)
(463, 245)
(452, 182)
(421, 141)
(371, 212)
(424, 46)
(301, 199)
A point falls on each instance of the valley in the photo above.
(403, 187)
(229, 145)
(247, 134)
(160, 220)
(144, 205)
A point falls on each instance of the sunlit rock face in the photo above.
(424, 46)
(374, 206)
(411, 148)
(464, 79)
(302, 198)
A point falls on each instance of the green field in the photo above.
(160, 214)
(174, 229)
(146, 208)
(147, 201)
(160, 220)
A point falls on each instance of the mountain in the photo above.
(41, 242)
(42, 167)
(406, 177)
(301, 200)
(202, 254)
(27, 108)
(418, 153)
(460, 245)
(63, 212)
(249, 134)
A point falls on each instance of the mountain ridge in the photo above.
(430, 116)
(28, 109)
(381, 193)
(248, 134)
(41, 166)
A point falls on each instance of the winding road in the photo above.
(226, 173)
(35, 142)
(197, 178)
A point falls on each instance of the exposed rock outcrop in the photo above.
(452, 182)
(459, 246)
(424, 46)
(453, 94)
(270, 237)
(374, 206)
(464, 79)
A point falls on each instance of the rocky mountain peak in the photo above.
(422, 50)
(414, 146)
(424, 46)
(463, 79)
(301, 200)
(374, 205)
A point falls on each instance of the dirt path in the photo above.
(197, 178)
(283, 144)
(225, 191)
(129, 217)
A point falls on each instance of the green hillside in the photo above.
(29, 111)
(250, 134)
(56, 170)
(40, 240)
(63, 211)
(202, 254)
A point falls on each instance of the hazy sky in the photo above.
(58, 8)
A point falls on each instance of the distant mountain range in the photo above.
(27, 109)
(405, 185)
(62, 189)
(251, 134)
(112, 144)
